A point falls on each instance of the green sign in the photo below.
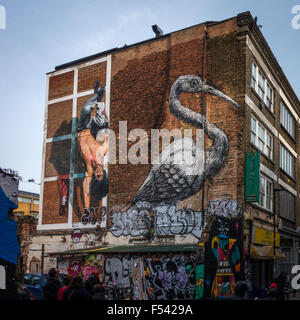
(252, 168)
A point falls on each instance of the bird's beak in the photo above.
(218, 93)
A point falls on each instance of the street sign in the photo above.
(252, 167)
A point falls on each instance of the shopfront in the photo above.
(262, 260)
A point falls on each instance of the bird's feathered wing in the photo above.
(173, 174)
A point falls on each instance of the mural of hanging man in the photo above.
(93, 144)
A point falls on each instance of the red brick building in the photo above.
(220, 77)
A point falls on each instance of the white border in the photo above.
(73, 136)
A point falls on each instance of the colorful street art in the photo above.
(170, 278)
(223, 257)
(74, 269)
(93, 145)
(76, 235)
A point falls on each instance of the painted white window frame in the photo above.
(70, 225)
(287, 161)
(261, 85)
(287, 120)
(255, 138)
(263, 201)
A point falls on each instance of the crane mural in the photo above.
(179, 172)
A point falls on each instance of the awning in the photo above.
(130, 249)
(265, 252)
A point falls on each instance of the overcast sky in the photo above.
(41, 34)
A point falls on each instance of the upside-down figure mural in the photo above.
(93, 143)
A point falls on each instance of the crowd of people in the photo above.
(73, 288)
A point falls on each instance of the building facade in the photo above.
(28, 203)
(146, 145)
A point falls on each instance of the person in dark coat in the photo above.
(98, 292)
(52, 285)
(76, 291)
(240, 291)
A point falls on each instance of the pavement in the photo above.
(297, 296)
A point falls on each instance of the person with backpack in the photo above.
(76, 291)
(66, 281)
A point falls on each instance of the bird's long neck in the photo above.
(216, 155)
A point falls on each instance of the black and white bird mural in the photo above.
(182, 168)
(169, 181)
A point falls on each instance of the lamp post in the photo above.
(274, 230)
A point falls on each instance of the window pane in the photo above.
(252, 138)
(253, 124)
(261, 132)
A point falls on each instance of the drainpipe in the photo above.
(42, 258)
(203, 112)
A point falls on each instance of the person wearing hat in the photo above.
(93, 279)
(93, 143)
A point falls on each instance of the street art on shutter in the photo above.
(170, 278)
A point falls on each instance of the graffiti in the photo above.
(76, 235)
(131, 223)
(170, 278)
(117, 272)
(138, 281)
(223, 257)
(167, 221)
(87, 271)
(62, 265)
(93, 145)
(74, 269)
(52, 263)
(170, 221)
(225, 208)
(199, 271)
(94, 216)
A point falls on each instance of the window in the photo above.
(266, 193)
(287, 161)
(287, 205)
(261, 138)
(22, 199)
(254, 75)
(262, 87)
(287, 120)
(269, 97)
